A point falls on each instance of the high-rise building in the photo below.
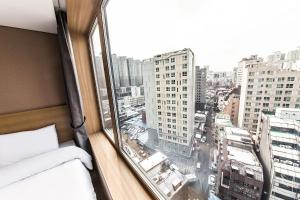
(175, 94)
(200, 85)
(135, 72)
(266, 86)
(150, 93)
(279, 138)
(116, 73)
(252, 60)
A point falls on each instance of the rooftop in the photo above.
(244, 156)
(223, 120)
(153, 161)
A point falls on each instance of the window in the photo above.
(138, 38)
(289, 85)
(288, 92)
(279, 85)
(287, 99)
(277, 98)
(278, 92)
(101, 81)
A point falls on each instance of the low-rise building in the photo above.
(240, 174)
(165, 175)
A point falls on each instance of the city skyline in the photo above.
(243, 30)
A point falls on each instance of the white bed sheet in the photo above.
(57, 175)
(70, 180)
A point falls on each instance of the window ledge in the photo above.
(119, 179)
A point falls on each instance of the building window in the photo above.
(279, 85)
(172, 67)
(172, 60)
(184, 73)
(277, 98)
(289, 85)
(278, 92)
(290, 78)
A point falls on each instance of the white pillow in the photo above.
(17, 146)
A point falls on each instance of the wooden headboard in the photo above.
(35, 119)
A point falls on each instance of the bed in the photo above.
(42, 164)
(59, 174)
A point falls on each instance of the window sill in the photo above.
(119, 179)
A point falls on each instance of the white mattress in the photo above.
(67, 180)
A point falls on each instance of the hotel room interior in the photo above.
(52, 140)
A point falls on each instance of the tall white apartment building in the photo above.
(280, 152)
(252, 60)
(150, 93)
(266, 86)
(175, 94)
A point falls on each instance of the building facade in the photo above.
(200, 85)
(232, 104)
(240, 174)
(266, 86)
(175, 94)
(150, 93)
(280, 152)
(252, 60)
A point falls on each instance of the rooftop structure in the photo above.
(153, 161)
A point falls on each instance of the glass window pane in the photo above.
(100, 81)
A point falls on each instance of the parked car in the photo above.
(203, 139)
(198, 165)
(213, 166)
(211, 180)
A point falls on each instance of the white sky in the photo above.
(219, 32)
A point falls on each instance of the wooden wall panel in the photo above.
(35, 119)
(81, 16)
(30, 70)
(86, 81)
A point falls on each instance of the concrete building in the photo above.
(231, 105)
(127, 71)
(223, 78)
(279, 139)
(221, 121)
(175, 94)
(134, 101)
(150, 93)
(200, 85)
(165, 175)
(135, 72)
(266, 86)
(240, 174)
(252, 60)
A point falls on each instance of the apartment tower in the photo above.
(266, 86)
(175, 94)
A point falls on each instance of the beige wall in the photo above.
(30, 70)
